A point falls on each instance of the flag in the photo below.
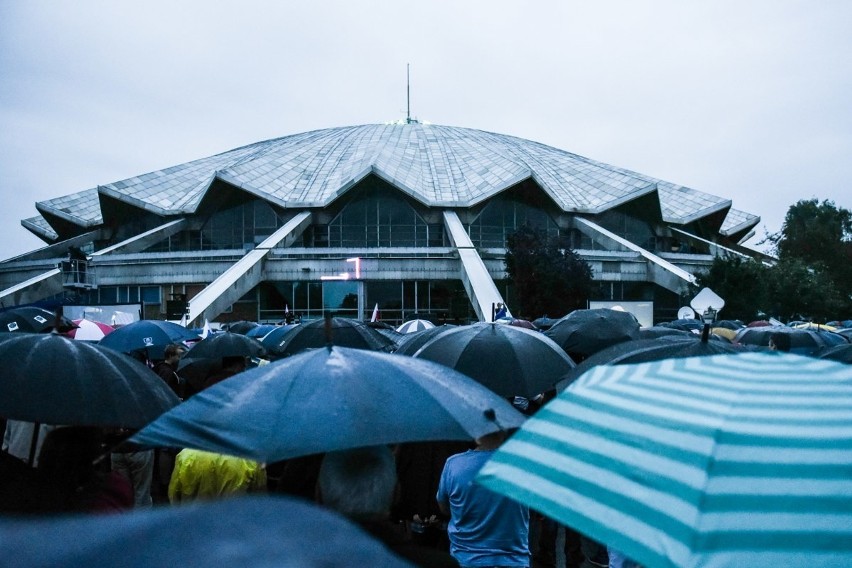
(286, 309)
(206, 329)
(375, 313)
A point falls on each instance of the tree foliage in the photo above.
(819, 235)
(812, 279)
(549, 279)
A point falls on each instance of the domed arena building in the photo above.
(408, 216)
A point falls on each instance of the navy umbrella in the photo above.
(241, 327)
(802, 341)
(151, 336)
(331, 399)
(226, 344)
(585, 332)
(343, 332)
(662, 331)
(32, 319)
(52, 379)
(645, 350)
(260, 331)
(511, 361)
(242, 531)
(842, 353)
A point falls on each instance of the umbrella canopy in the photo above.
(729, 460)
(645, 350)
(415, 325)
(802, 341)
(241, 327)
(725, 332)
(585, 332)
(684, 324)
(343, 332)
(244, 531)
(151, 336)
(729, 324)
(261, 330)
(52, 379)
(88, 330)
(842, 353)
(31, 319)
(274, 336)
(526, 324)
(508, 360)
(662, 331)
(545, 323)
(331, 399)
(226, 344)
(816, 326)
(759, 323)
(410, 343)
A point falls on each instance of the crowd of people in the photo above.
(417, 498)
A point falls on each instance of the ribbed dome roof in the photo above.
(437, 165)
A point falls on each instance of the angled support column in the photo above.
(34, 289)
(477, 281)
(242, 276)
(144, 240)
(662, 272)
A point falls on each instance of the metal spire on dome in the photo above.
(408, 119)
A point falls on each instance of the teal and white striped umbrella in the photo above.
(728, 460)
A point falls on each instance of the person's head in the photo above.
(174, 352)
(492, 441)
(68, 454)
(779, 342)
(358, 483)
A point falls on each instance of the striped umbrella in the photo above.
(415, 325)
(728, 460)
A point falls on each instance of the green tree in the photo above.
(819, 235)
(549, 279)
(742, 282)
(797, 291)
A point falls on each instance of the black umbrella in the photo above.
(544, 323)
(511, 361)
(662, 331)
(241, 327)
(151, 336)
(733, 325)
(684, 324)
(411, 342)
(32, 319)
(51, 379)
(842, 353)
(242, 531)
(802, 341)
(585, 332)
(331, 399)
(226, 344)
(645, 350)
(342, 332)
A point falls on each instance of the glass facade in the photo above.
(376, 216)
(438, 300)
(502, 216)
(242, 227)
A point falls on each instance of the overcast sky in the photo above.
(751, 101)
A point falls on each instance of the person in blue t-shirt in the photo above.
(485, 529)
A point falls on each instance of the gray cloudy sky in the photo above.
(745, 100)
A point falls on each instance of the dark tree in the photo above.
(549, 279)
(820, 236)
(742, 282)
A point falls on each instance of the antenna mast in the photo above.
(408, 92)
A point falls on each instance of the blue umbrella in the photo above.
(150, 336)
(245, 531)
(331, 399)
(727, 460)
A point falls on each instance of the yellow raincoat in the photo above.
(204, 475)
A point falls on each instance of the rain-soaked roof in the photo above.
(437, 165)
